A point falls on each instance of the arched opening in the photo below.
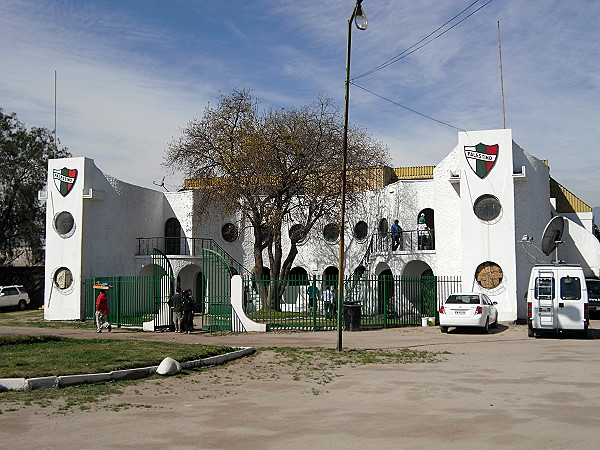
(426, 229)
(199, 292)
(172, 236)
(330, 276)
(419, 287)
(298, 277)
(385, 291)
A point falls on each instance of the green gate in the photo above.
(217, 300)
(164, 282)
(130, 303)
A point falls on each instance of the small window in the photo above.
(229, 232)
(361, 230)
(63, 278)
(298, 233)
(487, 208)
(64, 224)
(570, 288)
(331, 232)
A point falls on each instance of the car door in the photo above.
(493, 312)
(3, 298)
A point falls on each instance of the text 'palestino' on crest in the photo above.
(64, 180)
(481, 158)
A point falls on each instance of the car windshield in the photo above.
(466, 299)
(593, 288)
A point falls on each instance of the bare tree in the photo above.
(273, 168)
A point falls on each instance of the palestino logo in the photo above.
(481, 158)
(64, 180)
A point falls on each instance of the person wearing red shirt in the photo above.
(102, 312)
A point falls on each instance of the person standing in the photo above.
(176, 304)
(423, 233)
(187, 308)
(396, 236)
(102, 311)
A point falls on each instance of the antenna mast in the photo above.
(55, 143)
(501, 77)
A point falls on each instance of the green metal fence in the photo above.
(130, 303)
(311, 304)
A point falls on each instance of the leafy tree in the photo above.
(273, 168)
(23, 167)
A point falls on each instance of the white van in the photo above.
(557, 300)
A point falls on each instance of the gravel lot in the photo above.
(501, 390)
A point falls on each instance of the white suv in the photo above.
(13, 296)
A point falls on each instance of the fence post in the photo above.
(313, 302)
(385, 302)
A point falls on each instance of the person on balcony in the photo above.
(424, 233)
(396, 236)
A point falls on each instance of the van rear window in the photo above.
(570, 288)
(544, 288)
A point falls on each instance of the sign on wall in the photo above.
(481, 158)
(64, 180)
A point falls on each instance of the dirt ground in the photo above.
(501, 390)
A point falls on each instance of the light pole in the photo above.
(360, 19)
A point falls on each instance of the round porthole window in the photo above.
(298, 233)
(229, 232)
(487, 208)
(63, 278)
(361, 230)
(489, 275)
(331, 232)
(64, 224)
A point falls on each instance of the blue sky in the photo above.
(131, 74)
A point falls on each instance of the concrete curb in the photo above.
(21, 384)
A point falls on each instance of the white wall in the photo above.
(109, 215)
(489, 241)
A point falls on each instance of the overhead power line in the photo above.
(413, 48)
(406, 107)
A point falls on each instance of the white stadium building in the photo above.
(482, 204)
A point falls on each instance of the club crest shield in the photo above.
(64, 180)
(481, 158)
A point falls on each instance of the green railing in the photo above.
(130, 303)
(189, 247)
(311, 303)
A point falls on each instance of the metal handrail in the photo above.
(187, 247)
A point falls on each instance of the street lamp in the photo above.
(360, 20)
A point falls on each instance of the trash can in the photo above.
(352, 316)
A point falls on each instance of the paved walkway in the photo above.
(500, 390)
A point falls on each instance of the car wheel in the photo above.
(529, 332)
(22, 305)
(495, 324)
(486, 327)
(443, 329)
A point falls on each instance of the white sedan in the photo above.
(468, 309)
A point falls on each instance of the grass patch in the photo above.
(80, 397)
(39, 356)
(319, 365)
(35, 318)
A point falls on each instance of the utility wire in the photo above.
(406, 52)
(406, 107)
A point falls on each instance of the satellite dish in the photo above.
(552, 235)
